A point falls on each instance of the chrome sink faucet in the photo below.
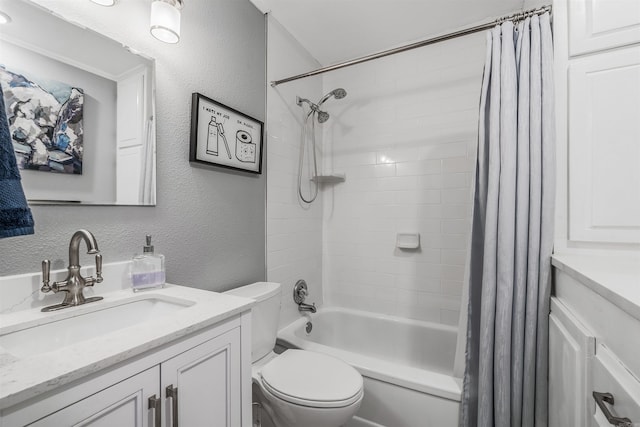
(300, 293)
(74, 284)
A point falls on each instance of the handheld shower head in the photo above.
(338, 93)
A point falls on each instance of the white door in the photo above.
(125, 404)
(201, 387)
(571, 351)
(130, 136)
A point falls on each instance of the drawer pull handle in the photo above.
(154, 403)
(172, 392)
(602, 399)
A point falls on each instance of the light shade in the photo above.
(165, 20)
(104, 2)
(4, 18)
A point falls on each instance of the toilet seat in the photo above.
(312, 379)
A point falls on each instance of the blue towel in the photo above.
(15, 215)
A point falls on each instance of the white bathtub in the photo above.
(407, 365)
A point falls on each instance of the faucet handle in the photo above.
(46, 270)
(99, 268)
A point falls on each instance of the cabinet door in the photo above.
(125, 404)
(604, 142)
(202, 386)
(602, 24)
(571, 351)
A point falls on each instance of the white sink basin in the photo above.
(91, 322)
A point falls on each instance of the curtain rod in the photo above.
(467, 31)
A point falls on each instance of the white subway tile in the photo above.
(421, 167)
(458, 196)
(458, 164)
(451, 287)
(414, 282)
(405, 139)
(375, 171)
(456, 211)
(449, 317)
(454, 257)
(455, 226)
(430, 181)
(416, 197)
(456, 180)
(452, 272)
(442, 151)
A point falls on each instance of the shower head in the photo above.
(323, 116)
(338, 93)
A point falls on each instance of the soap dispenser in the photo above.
(147, 270)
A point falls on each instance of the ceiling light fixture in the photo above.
(165, 20)
(105, 2)
(4, 18)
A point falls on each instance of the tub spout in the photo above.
(302, 307)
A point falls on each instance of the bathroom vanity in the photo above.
(594, 341)
(133, 359)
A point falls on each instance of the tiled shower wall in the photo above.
(405, 136)
(294, 231)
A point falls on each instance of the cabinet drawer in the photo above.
(610, 376)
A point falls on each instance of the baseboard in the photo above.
(361, 422)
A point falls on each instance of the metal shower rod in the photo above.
(455, 34)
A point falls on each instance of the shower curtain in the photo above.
(505, 381)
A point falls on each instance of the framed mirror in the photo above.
(81, 111)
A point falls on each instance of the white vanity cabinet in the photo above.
(124, 404)
(201, 380)
(572, 347)
(205, 384)
(594, 341)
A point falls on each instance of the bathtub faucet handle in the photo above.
(300, 293)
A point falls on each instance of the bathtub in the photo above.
(407, 365)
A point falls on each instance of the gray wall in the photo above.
(210, 224)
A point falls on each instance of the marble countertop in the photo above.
(25, 377)
(614, 277)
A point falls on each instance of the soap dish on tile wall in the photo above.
(408, 240)
(333, 178)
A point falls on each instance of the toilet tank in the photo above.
(265, 315)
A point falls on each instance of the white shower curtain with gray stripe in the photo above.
(505, 382)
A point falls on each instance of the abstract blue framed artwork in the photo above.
(45, 121)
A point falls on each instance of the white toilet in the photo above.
(298, 387)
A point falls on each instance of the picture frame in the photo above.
(224, 137)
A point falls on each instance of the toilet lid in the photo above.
(312, 379)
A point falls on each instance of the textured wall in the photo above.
(294, 230)
(405, 137)
(209, 223)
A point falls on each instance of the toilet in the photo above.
(298, 387)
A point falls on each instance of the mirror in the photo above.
(81, 111)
